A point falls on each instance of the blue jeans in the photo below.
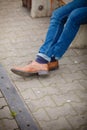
(64, 25)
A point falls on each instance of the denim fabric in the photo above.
(64, 25)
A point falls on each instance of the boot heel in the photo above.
(43, 73)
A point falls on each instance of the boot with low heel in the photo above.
(34, 68)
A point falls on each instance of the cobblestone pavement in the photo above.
(58, 101)
(7, 122)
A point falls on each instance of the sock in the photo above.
(41, 60)
(53, 59)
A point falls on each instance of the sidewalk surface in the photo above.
(56, 102)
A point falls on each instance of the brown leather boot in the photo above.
(31, 69)
(53, 65)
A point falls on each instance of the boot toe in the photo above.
(33, 68)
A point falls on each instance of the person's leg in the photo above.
(57, 49)
(56, 27)
(75, 19)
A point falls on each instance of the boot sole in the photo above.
(54, 68)
(27, 74)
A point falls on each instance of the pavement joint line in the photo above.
(3, 106)
(23, 116)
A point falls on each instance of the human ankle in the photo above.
(41, 60)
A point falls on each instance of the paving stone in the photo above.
(41, 115)
(27, 83)
(46, 101)
(74, 76)
(81, 51)
(5, 113)
(42, 92)
(2, 103)
(63, 69)
(53, 80)
(78, 121)
(1, 95)
(6, 124)
(76, 67)
(59, 124)
(69, 87)
(28, 94)
(82, 94)
(71, 52)
(66, 60)
(63, 110)
(66, 98)
(83, 83)
(84, 127)
(85, 72)
(80, 108)
(79, 59)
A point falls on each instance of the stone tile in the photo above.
(27, 83)
(28, 94)
(71, 87)
(70, 52)
(79, 59)
(59, 124)
(66, 98)
(42, 92)
(6, 124)
(65, 61)
(2, 103)
(78, 121)
(5, 113)
(64, 110)
(63, 69)
(82, 95)
(84, 127)
(83, 82)
(34, 105)
(80, 108)
(52, 80)
(85, 72)
(81, 51)
(77, 67)
(1, 95)
(41, 115)
(74, 76)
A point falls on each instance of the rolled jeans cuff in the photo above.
(44, 56)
